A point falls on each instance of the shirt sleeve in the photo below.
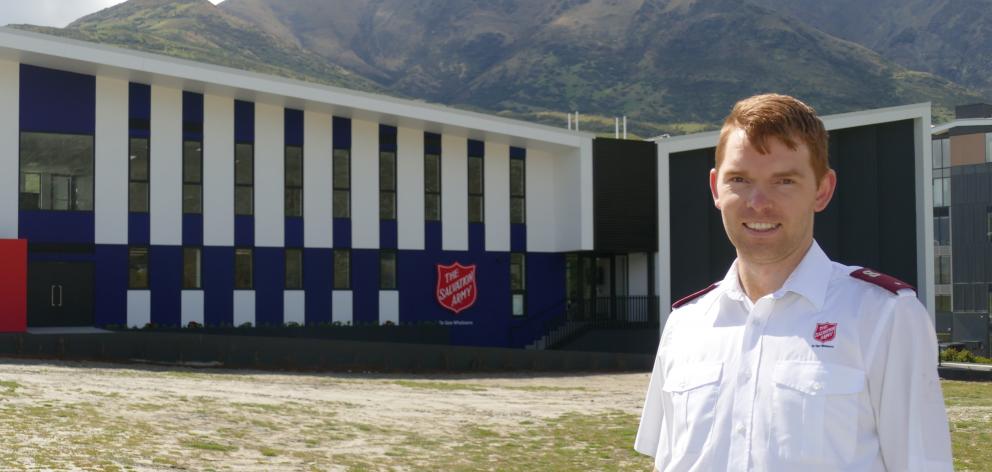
(652, 416)
(905, 389)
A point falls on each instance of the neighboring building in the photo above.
(153, 190)
(962, 186)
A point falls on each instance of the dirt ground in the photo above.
(90, 416)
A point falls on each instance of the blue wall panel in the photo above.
(342, 232)
(293, 232)
(192, 230)
(518, 153)
(318, 278)
(341, 133)
(244, 230)
(476, 237)
(388, 234)
(192, 116)
(432, 236)
(293, 123)
(110, 306)
(365, 286)
(57, 101)
(476, 148)
(56, 226)
(270, 281)
(139, 103)
(218, 285)
(165, 271)
(138, 228)
(518, 237)
(244, 121)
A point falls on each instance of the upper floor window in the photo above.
(518, 191)
(56, 172)
(294, 181)
(476, 186)
(387, 185)
(342, 183)
(193, 177)
(432, 177)
(244, 179)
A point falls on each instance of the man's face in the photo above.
(768, 200)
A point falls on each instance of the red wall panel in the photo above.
(13, 285)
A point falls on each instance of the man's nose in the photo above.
(758, 200)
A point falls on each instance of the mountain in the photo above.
(670, 65)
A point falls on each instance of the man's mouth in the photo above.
(762, 227)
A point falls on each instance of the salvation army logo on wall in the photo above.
(456, 288)
(825, 332)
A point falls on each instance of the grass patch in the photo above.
(9, 387)
(268, 452)
(208, 445)
(969, 411)
(443, 386)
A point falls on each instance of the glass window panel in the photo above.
(294, 166)
(139, 159)
(56, 171)
(342, 269)
(242, 269)
(518, 214)
(947, 191)
(244, 158)
(432, 207)
(475, 210)
(475, 185)
(192, 159)
(988, 147)
(192, 268)
(242, 200)
(518, 304)
(342, 172)
(938, 193)
(517, 271)
(138, 268)
(517, 188)
(387, 270)
(935, 153)
(387, 171)
(432, 173)
(294, 202)
(138, 197)
(387, 205)
(192, 199)
(945, 152)
(342, 204)
(294, 269)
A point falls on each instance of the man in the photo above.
(792, 362)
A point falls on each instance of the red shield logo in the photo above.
(825, 332)
(456, 288)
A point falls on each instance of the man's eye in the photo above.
(788, 181)
(738, 180)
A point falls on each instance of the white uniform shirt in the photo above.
(827, 373)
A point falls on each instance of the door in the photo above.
(60, 293)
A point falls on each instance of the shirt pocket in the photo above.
(816, 408)
(693, 389)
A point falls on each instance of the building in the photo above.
(962, 214)
(152, 190)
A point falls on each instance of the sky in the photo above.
(57, 13)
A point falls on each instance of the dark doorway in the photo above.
(60, 293)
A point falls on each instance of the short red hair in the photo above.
(782, 117)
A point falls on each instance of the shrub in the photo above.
(292, 324)
(193, 325)
(245, 325)
(954, 355)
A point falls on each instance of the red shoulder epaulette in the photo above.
(683, 301)
(887, 282)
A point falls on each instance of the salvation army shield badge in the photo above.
(825, 332)
(456, 287)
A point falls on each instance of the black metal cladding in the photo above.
(625, 196)
(871, 220)
(971, 192)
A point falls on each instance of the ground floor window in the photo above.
(387, 270)
(294, 269)
(137, 278)
(518, 285)
(342, 269)
(192, 268)
(243, 269)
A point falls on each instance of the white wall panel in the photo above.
(192, 306)
(244, 307)
(568, 201)
(497, 191)
(10, 79)
(165, 166)
(270, 162)
(318, 229)
(389, 306)
(541, 217)
(139, 308)
(410, 188)
(294, 306)
(111, 161)
(364, 184)
(341, 306)
(218, 171)
(637, 274)
(454, 193)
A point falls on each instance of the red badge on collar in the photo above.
(825, 332)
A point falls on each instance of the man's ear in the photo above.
(825, 191)
(713, 189)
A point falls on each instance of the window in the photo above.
(518, 288)
(244, 179)
(294, 269)
(342, 183)
(137, 277)
(56, 172)
(192, 268)
(432, 187)
(342, 269)
(294, 181)
(988, 147)
(476, 185)
(138, 175)
(193, 177)
(942, 226)
(243, 269)
(387, 185)
(943, 269)
(387, 270)
(943, 303)
(518, 198)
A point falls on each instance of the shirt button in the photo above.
(745, 376)
(815, 386)
(741, 429)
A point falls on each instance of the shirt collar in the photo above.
(809, 279)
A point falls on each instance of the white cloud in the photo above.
(57, 13)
